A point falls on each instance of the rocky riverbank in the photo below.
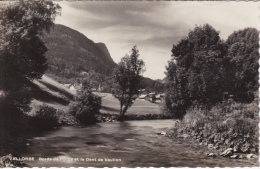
(106, 117)
(228, 145)
(230, 130)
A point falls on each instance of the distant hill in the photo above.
(70, 53)
(160, 80)
(152, 85)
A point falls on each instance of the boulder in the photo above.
(234, 156)
(251, 156)
(227, 153)
(211, 155)
(253, 150)
(227, 141)
(161, 133)
(241, 157)
(236, 149)
(216, 147)
(245, 148)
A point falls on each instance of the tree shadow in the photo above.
(109, 108)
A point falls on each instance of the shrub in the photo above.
(86, 108)
(45, 118)
(194, 118)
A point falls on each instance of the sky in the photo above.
(153, 26)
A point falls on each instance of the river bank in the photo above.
(229, 130)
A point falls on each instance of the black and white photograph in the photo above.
(129, 83)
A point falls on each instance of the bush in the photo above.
(45, 118)
(13, 127)
(224, 119)
(86, 108)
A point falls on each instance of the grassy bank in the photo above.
(227, 125)
(107, 117)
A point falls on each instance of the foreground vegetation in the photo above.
(211, 85)
(226, 125)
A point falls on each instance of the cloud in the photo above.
(153, 26)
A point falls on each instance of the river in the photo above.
(126, 144)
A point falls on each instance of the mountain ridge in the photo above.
(71, 56)
(71, 52)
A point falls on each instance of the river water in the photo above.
(120, 144)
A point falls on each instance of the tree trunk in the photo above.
(124, 110)
(121, 108)
(122, 113)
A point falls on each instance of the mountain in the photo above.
(104, 50)
(71, 56)
(71, 53)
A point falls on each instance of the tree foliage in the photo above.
(46, 118)
(197, 70)
(86, 106)
(127, 76)
(22, 52)
(243, 63)
(204, 67)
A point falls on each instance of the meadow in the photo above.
(111, 105)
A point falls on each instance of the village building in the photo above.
(73, 87)
(143, 92)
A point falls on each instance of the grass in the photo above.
(51, 93)
(111, 105)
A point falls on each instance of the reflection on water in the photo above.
(129, 144)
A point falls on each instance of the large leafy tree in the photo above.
(127, 76)
(243, 63)
(22, 51)
(196, 73)
(22, 58)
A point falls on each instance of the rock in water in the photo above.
(241, 157)
(227, 153)
(251, 156)
(234, 156)
(211, 155)
(161, 133)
